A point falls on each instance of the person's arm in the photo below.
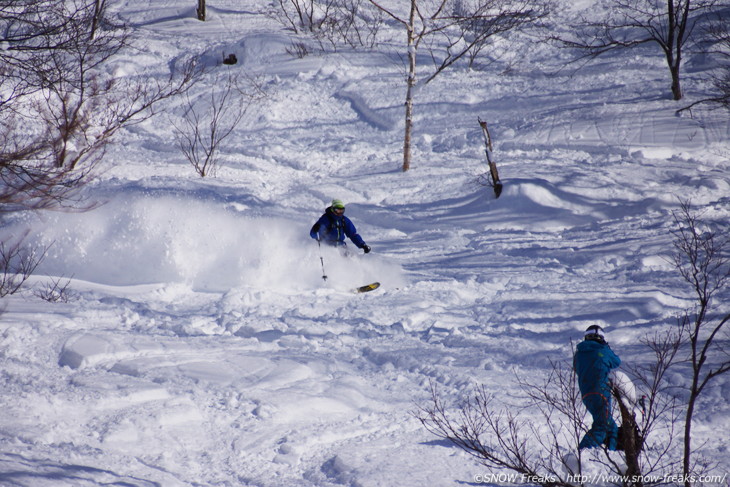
(612, 359)
(352, 234)
(314, 232)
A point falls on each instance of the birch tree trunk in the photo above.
(411, 82)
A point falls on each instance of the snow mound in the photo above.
(537, 204)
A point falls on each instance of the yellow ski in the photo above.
(368, 287)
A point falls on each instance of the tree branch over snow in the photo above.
(444, 26)
(702, 257)
(669, 24)
(206, 122)
(718, 38)
(63, 105)
(501, 438)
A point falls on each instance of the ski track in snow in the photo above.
(201, 345)
(366, 113)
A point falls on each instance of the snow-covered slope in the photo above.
(201, 345)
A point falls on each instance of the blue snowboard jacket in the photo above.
(593, 362)
(332, 229)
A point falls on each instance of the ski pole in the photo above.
(321, 259)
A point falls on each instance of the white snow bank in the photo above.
(168, 239)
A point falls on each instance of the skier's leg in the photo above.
(596, 436)
(611, 441)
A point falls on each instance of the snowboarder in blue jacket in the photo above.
(593, 362)
(334, 226)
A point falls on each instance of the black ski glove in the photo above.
(366, 248)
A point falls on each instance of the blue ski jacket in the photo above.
(593, 362)
(332, 229)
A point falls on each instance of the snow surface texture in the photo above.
(201, 345)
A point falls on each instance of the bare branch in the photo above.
(63, 108)
(18, 261)
(702, 258)
(207, 122)
(669, 24)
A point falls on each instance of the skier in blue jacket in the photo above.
(334, 226)
(593, 362)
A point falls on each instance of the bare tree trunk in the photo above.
(410, 29)
(631, 442)
(99, 6)
(686, 467)
(675, 40)
(676, 87)
(201, 10)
